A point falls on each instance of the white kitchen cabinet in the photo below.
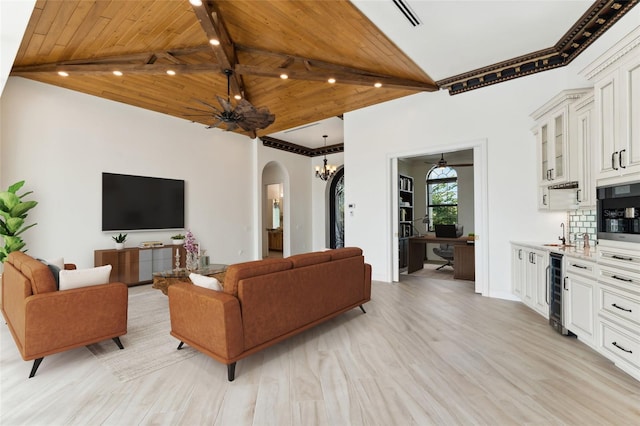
(582, 161)
(530, 277)
(579, 299)
(616, 77)
(619, 305)
(560, 149)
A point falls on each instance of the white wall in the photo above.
(60, 142)
(499, 114)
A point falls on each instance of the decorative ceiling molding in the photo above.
(270, 142)
(593, 23)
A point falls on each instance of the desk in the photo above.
(416, 249)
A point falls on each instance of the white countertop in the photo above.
(579, 252)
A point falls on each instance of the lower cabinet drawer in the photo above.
(620, 344)
(620, 304)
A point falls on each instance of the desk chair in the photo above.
(446, 252)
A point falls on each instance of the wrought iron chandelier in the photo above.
(326, 171)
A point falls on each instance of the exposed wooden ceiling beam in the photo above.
(147, 63)
(213, 26)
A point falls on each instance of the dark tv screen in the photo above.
(139, 202)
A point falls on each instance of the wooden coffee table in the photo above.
(162, 280)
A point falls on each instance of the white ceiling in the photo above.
(456, 37)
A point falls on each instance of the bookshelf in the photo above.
(405, 217)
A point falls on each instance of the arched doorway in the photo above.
(336, 210)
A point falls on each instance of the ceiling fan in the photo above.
(243, 115)
(443, 163)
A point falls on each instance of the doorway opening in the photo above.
(472, 200)
(274, 211)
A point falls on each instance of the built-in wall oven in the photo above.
(554, 291)
(619, 212)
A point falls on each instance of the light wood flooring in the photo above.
(429, 351)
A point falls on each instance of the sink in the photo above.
(558, 245)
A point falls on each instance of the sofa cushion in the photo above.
(206, 282)
(77, 278)
(344, 252)
(254, 268)
(308, 259)
(55, 266)
(36, 272)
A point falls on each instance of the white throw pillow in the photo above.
(206, 282)
(77, 278)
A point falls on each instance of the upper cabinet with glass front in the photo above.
(552, 136)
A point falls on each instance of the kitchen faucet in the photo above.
(563, 239)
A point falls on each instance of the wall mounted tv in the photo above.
(132, 203)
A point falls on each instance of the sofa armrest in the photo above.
(65, 319)
(209, 320)
(367, 281)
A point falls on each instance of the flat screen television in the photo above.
(141, 203)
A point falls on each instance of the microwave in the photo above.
(618, 208)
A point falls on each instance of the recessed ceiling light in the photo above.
(332, 80)
(63, 74)
(238, 97)
(118, 73)
(377, 85)
(195, 2)
(284, 76)
(214, 42)
(171, 72)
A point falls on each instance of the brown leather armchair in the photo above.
(44, 321)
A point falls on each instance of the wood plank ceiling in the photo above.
(309, 40)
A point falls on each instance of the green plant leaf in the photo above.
(12, 243)
(9, 200)
(25, 194)
(3, 228)
(25, 228)
(13, 225)
(16, 186)
(21, 208)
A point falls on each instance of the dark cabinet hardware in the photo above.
(621, 308)
(613, 161)
(620, 158)
(629, 351)
(578, 266)
(627, 280)
(622, 258)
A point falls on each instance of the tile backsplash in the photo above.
(580, 222)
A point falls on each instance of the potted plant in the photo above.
(120, 239)
(13, 212)
(177, 239)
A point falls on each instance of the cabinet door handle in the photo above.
(519, 254)
(622, 258)
(613, 160)
(544, 199)
(622, 279)
(578, 266)
(620, 158)
(564, 284)
(621, 308)
(629, 351)
(551, 174)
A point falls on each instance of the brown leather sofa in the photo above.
(44, 321)
(266, 301)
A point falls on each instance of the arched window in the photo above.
(442, 196)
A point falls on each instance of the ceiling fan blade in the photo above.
(231, 126)
(226, 105)
(461, 165)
